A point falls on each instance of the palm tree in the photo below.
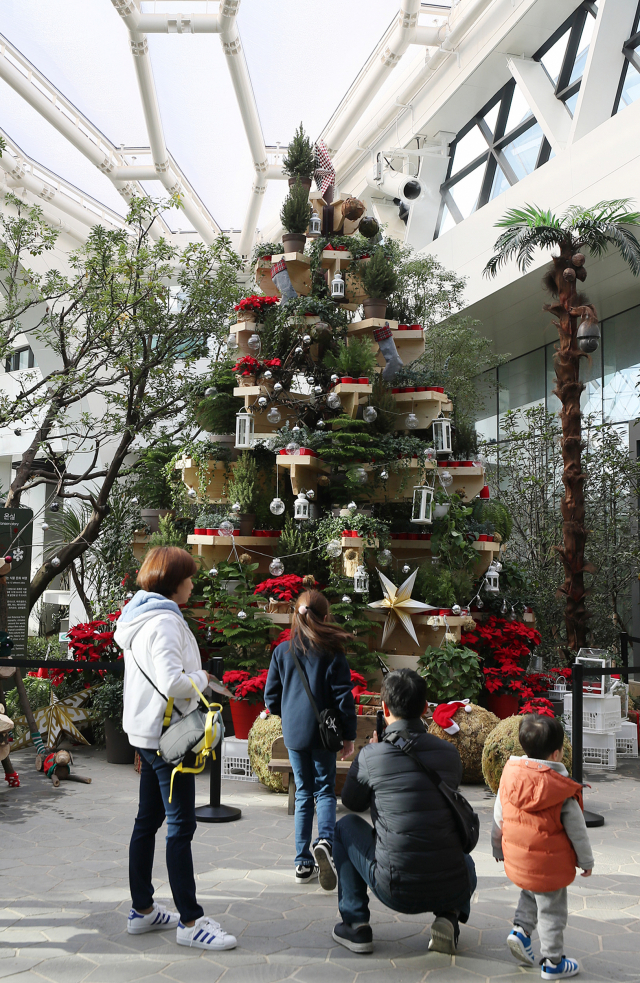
(596, 229)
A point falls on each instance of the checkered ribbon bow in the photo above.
(325, 173)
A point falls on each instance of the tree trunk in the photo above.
(568, 389)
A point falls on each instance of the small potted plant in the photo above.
(355, 360)
(107, 708)
(282, 591)
(248, 698)
(299, 162)
(243, 488)
(295, 215)
(379, 280)
(246, 369)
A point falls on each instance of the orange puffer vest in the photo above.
(538, 854)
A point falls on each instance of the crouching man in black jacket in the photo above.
(411, 859)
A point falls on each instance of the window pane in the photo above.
(631, 86)
(467, 149)
(553, 403)
(621, 356)
(583, 49)
(522, 153)
(500, 183)
(465, 192)
(552, 61)
(519, 110)
(491, 118)
(572, 102)
(487, 421)
(23, 359)
(522, 383)
(447, 221)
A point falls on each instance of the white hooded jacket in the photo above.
(153, 634)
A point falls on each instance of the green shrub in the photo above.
(378, 276)
(296, 210)
(451, 672)
(300, 158)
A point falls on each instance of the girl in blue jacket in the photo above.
(319, 645)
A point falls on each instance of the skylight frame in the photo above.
(632, 57)
(564, 89)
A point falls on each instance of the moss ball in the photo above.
(474, 726)
(261, 737)
(501, 743)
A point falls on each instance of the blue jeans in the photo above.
(155, 778)
(314, 773)
(354, 850)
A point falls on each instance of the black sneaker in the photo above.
(356, 939)
(306, 872)
(327, 869)
(444, 933)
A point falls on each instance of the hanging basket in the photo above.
(245, 316)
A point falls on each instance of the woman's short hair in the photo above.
(164, 568)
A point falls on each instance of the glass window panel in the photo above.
(500, 183)
(553, 403)
(631, 86)
(522, 153)
(487, 402)
(465, 192)
(23, 359)
(583, 49)
(572, 102)
(467, 149)
(522, 383)
(491, 118)
(447, 222)
(552, 61)
(621, 358)
(519, 110)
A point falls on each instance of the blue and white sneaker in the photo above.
(559, 971)
(520, 945)
(159, 918)
(205, 934)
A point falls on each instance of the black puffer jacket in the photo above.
(419, 860)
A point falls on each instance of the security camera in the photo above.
(394, 184)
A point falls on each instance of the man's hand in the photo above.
(348, 747)
(374, 739)
(585, 873)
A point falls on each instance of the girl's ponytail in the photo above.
(311, 626)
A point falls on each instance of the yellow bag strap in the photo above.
(168, 713)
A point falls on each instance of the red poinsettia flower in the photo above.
(540, 706)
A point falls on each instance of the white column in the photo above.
(537, 88)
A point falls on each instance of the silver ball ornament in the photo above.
(55, 562)
(406, 568)
(346, 599)
(242, 615)
(293, 447)
(236, 507)
(384, 474)
(277, 387)
(384, 558)
(335, 379)
(192, 493)
(412, 422)
(333, 401)
(317, 390)
(274, 415)
(262, 400)
(446, 479)
(226, 528)
(297, 351)
(306, 339)
(369, 414)
(134, 501)
(310, 494)
(213, 572)
(334, 548)
(210, 391)
(267, 375)
(456, 610)
(277, 506)
(45, 526)
(276, 568)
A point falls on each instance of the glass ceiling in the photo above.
(83, 49)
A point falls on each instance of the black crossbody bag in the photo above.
(467, 821)
(328, 721)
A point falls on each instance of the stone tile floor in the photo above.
(64, 894)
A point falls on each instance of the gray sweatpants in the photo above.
(549, 911)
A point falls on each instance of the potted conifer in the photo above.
(300, 160)
(295, 216)
(243, 488)
(379, 280)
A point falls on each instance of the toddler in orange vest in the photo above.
(540, 833)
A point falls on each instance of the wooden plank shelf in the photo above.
(304, 471)
(350, 394)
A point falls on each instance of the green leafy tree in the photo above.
(296, 210)
(300, 158)
(596, 229)
(241, 641)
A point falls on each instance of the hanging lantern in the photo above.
(301, 507)
(492, 580)
(337, 287)
(588, 336)
(442, 435)
(245, 427)
(361, 580)
(422, 505)
(315, 225)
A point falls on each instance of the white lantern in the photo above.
(442, 435)
(315, 226)
(422, 505)
(337, 287)
(361, 580)
(492, 580)
(245, 427)
(301, 507)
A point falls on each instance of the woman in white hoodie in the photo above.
(161, 658)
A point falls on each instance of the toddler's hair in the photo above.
(540, 735)
(312, 627)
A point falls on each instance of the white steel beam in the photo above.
(165, 23)
(605, 60)
(537, 88)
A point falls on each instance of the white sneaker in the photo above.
(159, 918)
(205, 934)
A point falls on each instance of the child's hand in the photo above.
(585, 873)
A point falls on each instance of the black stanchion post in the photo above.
(214, 812)
(624, 648)
(592, 819)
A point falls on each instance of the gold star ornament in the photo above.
(399, 606)
(60, 717)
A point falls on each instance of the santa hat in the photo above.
(443, 715)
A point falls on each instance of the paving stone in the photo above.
(66, 969)
(194, 971)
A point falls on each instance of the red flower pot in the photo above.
(409, 389)
(484, 492)
(413, 535)
(415, 327)
(243, 715)
(363, 381)
(482, 538)
(199, 532)
(421, 389)
(439, 389)
(503, 705)
(283, 451)
(403, 327)
(396, 390)
(347, 378)
(211, 532)
(466, 464)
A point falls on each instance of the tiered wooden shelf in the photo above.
(220, 472)
(215, 548)
(351, 394)
(410, 344)
(486, 551)
(304, 471)
(426, 406)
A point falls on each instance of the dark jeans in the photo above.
(314, 773)
(354, 855)
(155, 778)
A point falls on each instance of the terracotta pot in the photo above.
(243, 715)
(304, 181)
(247, 522)
(119, 751)
(503, 705)
(294, 242)
(374, 308)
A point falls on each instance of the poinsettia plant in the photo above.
(285, 588)
(541, 706)
(247, 365)
(246, 687)
(89, 642)
(256, 302)
(504, 648)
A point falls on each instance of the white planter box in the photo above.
(627, 740)
(235, 761)
(600, 714)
